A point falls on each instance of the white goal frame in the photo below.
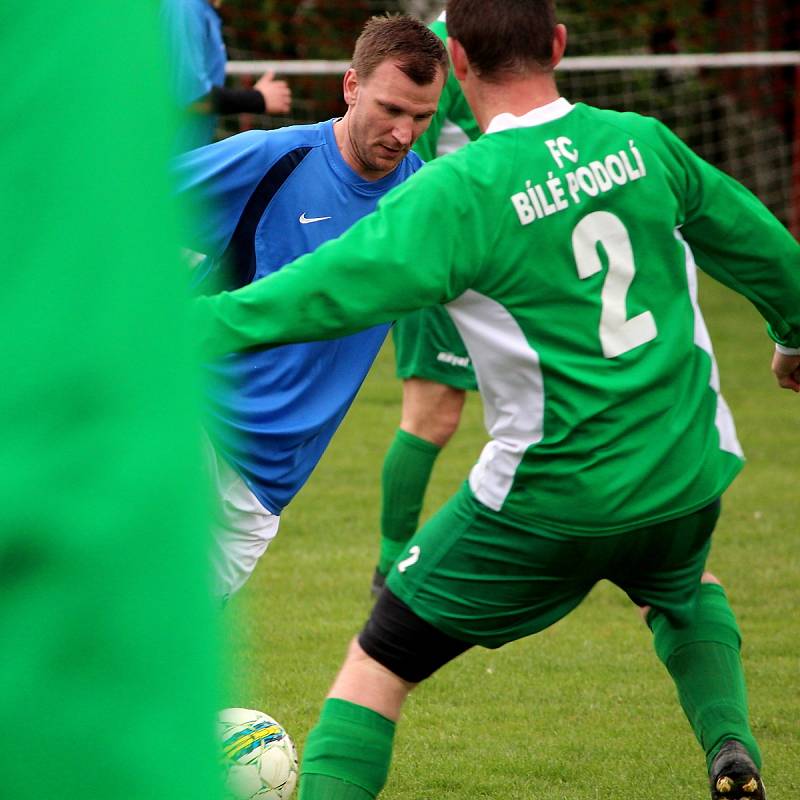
(786, 58)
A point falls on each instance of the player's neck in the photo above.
(511, 97)
(349, 152)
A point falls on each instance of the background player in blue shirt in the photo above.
(269, 197)
(197, 60)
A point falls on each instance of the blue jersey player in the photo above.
(269, 197)
(197, 59)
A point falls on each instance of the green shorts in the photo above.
(489, 580)
(428, 345)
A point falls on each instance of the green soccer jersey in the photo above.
(565, 244)
(453, 125)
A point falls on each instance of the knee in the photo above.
(358, 660)
(442, 424)
(355, 653)
(364, 681)
(432, 411)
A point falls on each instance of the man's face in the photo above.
(387, 113)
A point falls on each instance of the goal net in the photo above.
(736, 104)
(730, 109)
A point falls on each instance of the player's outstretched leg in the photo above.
(704, 660)
(347, 754)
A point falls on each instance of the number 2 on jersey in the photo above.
(618, 334)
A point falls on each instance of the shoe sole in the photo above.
(739, 779)
(729, 787)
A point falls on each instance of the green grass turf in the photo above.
(582, 710)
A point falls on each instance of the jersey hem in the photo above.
(462, 380)
(548, 527)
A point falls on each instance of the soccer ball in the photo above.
(259, 758)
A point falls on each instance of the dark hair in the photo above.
(419, 52)
(504, 36)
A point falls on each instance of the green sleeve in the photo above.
(406, 255)
(426, 146)
(452, 106)
(739, 242)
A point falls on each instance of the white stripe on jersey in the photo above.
(451, 138)
(510, 379)
(728, 440)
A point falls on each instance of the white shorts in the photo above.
(243, 528)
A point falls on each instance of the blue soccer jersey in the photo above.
(197, 59)
(269, 197)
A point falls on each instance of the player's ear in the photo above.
(458, 57)
(350, 87)
(559, 44)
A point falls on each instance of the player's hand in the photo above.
(277, 94)
(787, 371)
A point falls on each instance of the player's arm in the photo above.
(408, 254)
(268, 96)
(740, 243)
(786, 367)
(184, 34)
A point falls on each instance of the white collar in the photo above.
(441, 17)
(536, 116)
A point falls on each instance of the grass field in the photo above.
(582, 710)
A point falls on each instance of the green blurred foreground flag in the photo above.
(108, 672)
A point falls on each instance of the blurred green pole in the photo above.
(108, 647)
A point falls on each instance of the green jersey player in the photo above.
(565, 242)
(432, 362)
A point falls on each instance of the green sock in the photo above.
(347, 754)
(406, 472)
(703, 660)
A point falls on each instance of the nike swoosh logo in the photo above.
(304, 220)
(413, 557)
